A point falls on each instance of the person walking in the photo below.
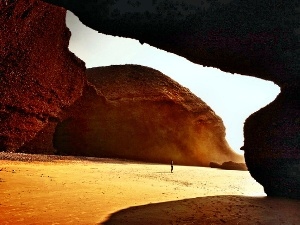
(172, 166)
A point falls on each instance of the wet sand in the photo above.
(70, 190)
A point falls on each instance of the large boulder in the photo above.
(258, 38)
(39, 76)
(143, 115)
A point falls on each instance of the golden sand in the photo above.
(122, 192)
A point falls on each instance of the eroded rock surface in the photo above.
(271, 145)
(38, 75)
(143, 115)
(260, 39)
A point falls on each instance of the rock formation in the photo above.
(272, 144)
(259, 39)
(143, 115)
(38, 75)
(42, 84)
(229, 166)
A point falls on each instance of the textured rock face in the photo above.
(260, 39)
(38, 75)
(146, 116)
(272, 145)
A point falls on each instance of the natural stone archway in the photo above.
(260, 40)
(239, 37)
(44, 88)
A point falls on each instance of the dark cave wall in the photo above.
(259, 39)
(271, 145)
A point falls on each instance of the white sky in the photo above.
(233, 97)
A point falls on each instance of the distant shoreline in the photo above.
(31, 158)
(24, 157)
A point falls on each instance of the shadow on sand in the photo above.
(212, 210)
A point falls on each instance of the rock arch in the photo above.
(260, 40)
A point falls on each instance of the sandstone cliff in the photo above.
(144, 115)
(38, 75)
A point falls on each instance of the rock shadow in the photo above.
(227, 209)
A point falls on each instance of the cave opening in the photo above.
(122, 189)
(233, 97)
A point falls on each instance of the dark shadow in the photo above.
(212, 210)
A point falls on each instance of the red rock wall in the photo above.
(143, 115)
(39, 76)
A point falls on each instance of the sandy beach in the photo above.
(70, 190)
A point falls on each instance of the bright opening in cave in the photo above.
(232, 96)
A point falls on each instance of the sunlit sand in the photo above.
(122, 192)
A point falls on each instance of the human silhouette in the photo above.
(172, 166)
